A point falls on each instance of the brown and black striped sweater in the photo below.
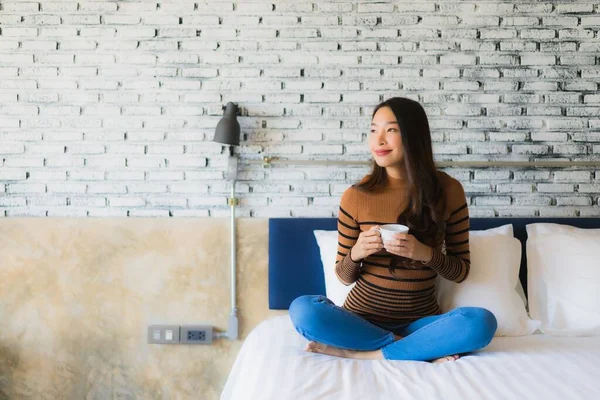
(410, 295)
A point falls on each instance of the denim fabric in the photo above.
(461, 330)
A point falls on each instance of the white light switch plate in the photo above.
(163, 334)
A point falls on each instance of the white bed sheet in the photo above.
(272, 364)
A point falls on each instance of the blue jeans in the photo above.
(461, 330)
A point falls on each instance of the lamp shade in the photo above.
(228, 128)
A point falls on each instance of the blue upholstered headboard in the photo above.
(295, 263)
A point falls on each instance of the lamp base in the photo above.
(232, 330)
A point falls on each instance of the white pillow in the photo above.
(328, 242)
(493, 282)
(504, 230)
(564, 278)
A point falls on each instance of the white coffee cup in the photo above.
(388, 231)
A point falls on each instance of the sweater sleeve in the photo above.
(456, 263)
(347, 270)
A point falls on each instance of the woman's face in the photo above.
(385, 141)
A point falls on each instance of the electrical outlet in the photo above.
(196, 334)
(163, 334)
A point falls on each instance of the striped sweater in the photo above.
(410, 295)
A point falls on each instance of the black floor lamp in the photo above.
(228, 133)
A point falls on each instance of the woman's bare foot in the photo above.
(444, 359)
(316, 347)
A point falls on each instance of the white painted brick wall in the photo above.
(108, 108)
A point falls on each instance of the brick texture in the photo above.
(108, 108)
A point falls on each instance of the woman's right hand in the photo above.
(368, 242)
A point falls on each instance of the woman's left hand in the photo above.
(406, 245)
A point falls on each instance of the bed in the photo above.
(272, 363)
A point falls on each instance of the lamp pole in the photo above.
(232, 331)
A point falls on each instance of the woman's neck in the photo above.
(396, 177)
(396, 172)
(396, 181)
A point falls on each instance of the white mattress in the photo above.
(272, 364)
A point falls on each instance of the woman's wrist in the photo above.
(352, 258)
(427, 261)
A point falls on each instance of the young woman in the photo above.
(392, 311)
